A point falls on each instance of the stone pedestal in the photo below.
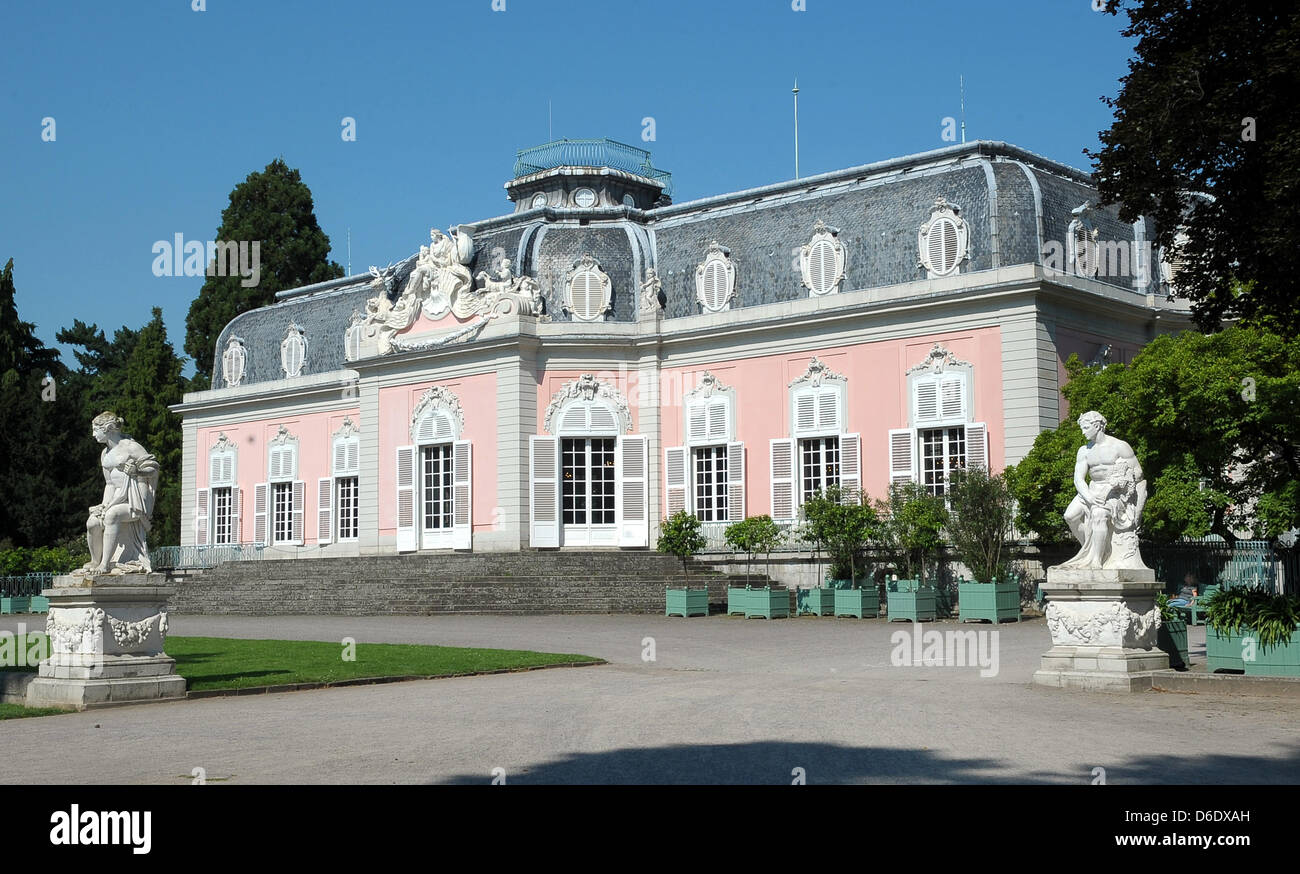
(1103, 625)
(106, 642)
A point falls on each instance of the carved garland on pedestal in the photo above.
(588, 388)
(1107, 624)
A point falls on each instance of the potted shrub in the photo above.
(910, 533)
(1172, 635)
(1253, 630)
(842, 522)
(980, 514)
(680, 535)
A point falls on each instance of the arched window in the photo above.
(715, 279)
(280, 502)
(434, 497)
(352, 338)
(1081, 237)
(338, 496)
(819, 452)
(942, 436)
(233, 361)
(217, 517)
(293, 351)
(707, 475)
(943, 241)
(588, 291)
(821, 261)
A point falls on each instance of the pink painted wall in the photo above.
(315, 433)
(552, 381)
(877, 400)
(1086, 346)
(478, 400)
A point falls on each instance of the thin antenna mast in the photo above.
(796, 127)
(963, 107)
(349, 251)
(549, 138)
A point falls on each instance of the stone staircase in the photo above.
(528, 582)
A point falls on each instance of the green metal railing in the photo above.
(590, 153)
(199, 557)
(24, 585)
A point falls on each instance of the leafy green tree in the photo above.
(1213, 420)
(757, 534)
(275, 208)
(914, 521)
(980, 513)
(1208, 106)
(843, 523)
(680, 535)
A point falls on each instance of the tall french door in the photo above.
(587, 491)
(436, 493)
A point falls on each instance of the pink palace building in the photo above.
(568, 374)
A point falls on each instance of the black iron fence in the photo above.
(24, 585)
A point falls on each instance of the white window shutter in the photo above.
(228, 468)
(462, 512)
(406, 527)
(676, 494)
(925, 406)
(324, 511)
(977, 445)
(851, 467)
(201, 517)
(544, 482)
(805, 413)
(952, 398)
(354, 455)
(783, 470)
(735, 482)
(718, 430)
(236, 504)
(828, 409)
(299, 506)
(630, 479)
(698, 426)
(214, 470)
(340, 457)
(902, 455)
(260, 532)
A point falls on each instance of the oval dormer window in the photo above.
(293, 351)
(588, 290)
(539, 200)
(584, 198)
(233, 361)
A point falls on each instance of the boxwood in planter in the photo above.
(911, 600)
(859, 603)
(686, 602)
(993, 602)
(1253, 630)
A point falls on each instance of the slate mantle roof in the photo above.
(1012, 200)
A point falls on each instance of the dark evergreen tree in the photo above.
(275, 208)
(1208, 108)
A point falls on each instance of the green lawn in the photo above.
(228, 663)
(17, 711)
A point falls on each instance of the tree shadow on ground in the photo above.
(774, 763)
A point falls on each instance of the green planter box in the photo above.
(992, 602)
(907, 599)
(686, 602)
(15, 605)
(817, 602)
(40, 604)
(859, 603)
(1172, 638)
(738, 601)
(1223, 651)
(771, 603)
(1226, 652)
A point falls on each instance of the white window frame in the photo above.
(716, 258)
(234, 361)
(818, 410)
(943, 213)
(293, 351)
(345, 465)
(823, 236)
(282, 469)
(587, 266)
(940, 396)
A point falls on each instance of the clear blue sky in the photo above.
(160, 111)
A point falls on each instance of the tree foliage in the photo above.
(1208, 106)
(843, 525)
(914, 521)
(754, 535)
(980, 513)
(680, 535)
(1215, 422)
(274, 207)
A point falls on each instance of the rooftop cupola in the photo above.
(587, 174)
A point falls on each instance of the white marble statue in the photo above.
(118, 527)
(651, 289)
(1105, 512)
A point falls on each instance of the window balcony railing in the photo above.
(590, 153)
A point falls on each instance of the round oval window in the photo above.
(539, 200)
(584, 197)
